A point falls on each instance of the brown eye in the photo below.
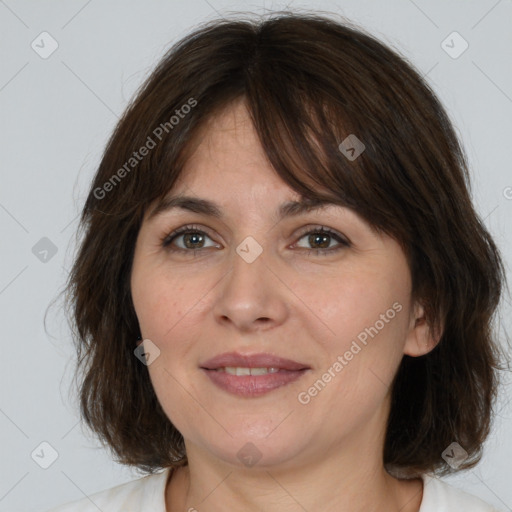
(189, 238)
(320, 239)
(192, 239)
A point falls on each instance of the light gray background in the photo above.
(56, 116)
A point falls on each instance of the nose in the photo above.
(251, 296)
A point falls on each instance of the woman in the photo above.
(284, 296)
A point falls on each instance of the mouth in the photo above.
(252, 375)
(251, 361)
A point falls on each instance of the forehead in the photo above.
(228, 160)
(228, 142)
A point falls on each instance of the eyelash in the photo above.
(167, 240)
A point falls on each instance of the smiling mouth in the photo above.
(252, 382)
(251, 375)
(240, 371)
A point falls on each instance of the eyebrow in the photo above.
(209, 208)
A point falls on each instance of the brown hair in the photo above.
(309, 82)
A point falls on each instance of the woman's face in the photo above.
(250, 282)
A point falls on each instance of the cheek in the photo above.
(362, 351)
(169, 306)
(161, 299)
(165, 307)
(362, 317)
(346, 303)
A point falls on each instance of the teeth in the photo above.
(247, 371)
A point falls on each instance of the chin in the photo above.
(252, 451)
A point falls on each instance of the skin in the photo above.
(294, 301)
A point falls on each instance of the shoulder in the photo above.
(439, 496)
(146, 493)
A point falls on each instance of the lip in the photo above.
(262, 360)
(252, 385)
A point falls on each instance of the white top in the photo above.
(148, 494)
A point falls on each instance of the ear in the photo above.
(420, 339)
